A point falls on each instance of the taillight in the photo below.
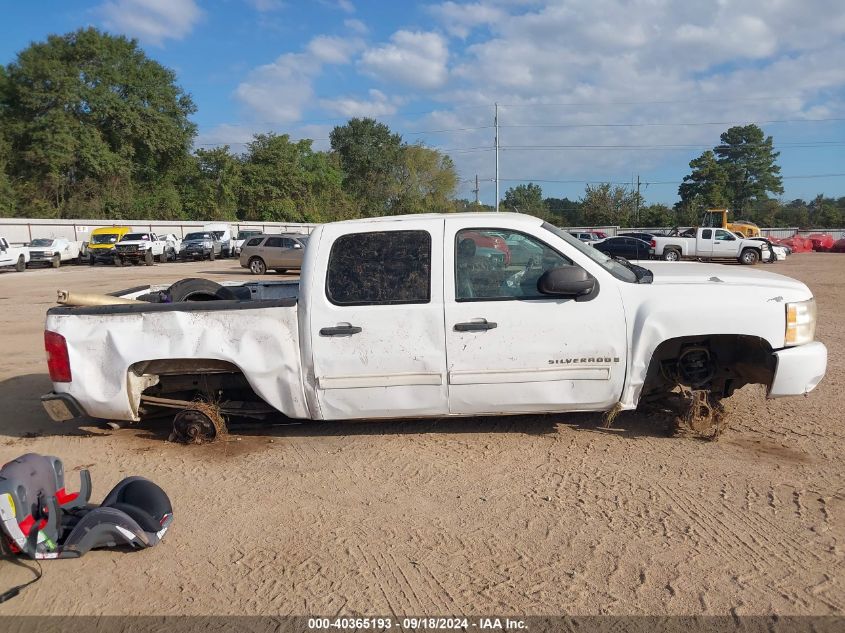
(654, 243)
(58, 362)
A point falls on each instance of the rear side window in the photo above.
(380, 268)
(706, 234)
(273, 242)
(255, 241)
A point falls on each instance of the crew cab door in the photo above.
(510, 349)
(725, 244)
(704, 243)
(376, 324)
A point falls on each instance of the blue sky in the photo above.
(591, 90)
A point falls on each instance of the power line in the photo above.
(680, 124)
(654, 182)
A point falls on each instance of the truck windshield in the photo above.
(198, 236)
(136, 237)
(41, 242)
(609, 264)
(104, 238)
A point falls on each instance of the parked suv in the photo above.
(200, 245)
(279, 252)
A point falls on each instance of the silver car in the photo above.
(276, 252)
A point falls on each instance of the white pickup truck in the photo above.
(53, 251)
(135, 248)
(710, 243)
(16, 257)
(400, 317)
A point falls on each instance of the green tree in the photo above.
(425, 182)
(287, 181)
(706, 186)
(748, 158)
(211, 184)
(370, 156)
(607, 205)
(526, 199)
(824, 213)
(563, 211)
(740, 171)
(89, 114)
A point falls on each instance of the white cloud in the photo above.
(333, 50)
(413, 58)
(356, 26)
(344, 5)
(265, 6)
(638, 61)
(379, 104)
(151, 21)
(279, 92)
(460, 19)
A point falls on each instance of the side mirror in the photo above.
(566, 281)
(297, 245)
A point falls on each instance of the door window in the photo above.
(287, 242)
(273, 242)
(724, 236)
(380, 268)
(255, 241)
(707, 234)
(495, 265)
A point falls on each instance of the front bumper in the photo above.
(61, 407)
(798, 369)
(101, 255)
(194, 253)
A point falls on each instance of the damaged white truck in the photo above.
(410, 316)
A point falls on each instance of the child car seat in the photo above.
(42, 520)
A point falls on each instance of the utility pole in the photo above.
(496, 125)
(637, 203)
(475, 191)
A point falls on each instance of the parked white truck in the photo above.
(53, 251)
(16, 257)
(399, 317)
(709, 243)
(136, 248)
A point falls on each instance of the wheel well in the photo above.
(721, 363)
(190, 379)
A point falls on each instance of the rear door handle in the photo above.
(344, 329)
(475, 326)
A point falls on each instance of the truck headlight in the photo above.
(206, 244)
(800, 322)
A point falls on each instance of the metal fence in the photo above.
(23, 230)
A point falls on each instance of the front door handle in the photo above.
(344, 329)
(475, 326)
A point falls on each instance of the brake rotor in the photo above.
(191, 426)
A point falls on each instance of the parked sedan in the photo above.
(627, 247)
(640, 235)
(276, 252)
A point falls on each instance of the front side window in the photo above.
(273, 242)
(255, 241)
(380, 268)
(724, 236)
(498, 264)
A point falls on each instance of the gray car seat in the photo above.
(42, 520)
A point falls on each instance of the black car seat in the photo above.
(42, 520)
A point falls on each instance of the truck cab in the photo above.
(15, 257)
(102, 242)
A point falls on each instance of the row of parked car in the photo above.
(698, 242)
(121, 246)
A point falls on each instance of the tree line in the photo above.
(90, 127)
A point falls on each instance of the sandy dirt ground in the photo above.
(522, 515)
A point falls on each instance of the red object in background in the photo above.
(838, 246)
(489, 241)
(601, 234)
(797, 243)
(821, 241)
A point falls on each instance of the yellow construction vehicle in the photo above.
(718, 218)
